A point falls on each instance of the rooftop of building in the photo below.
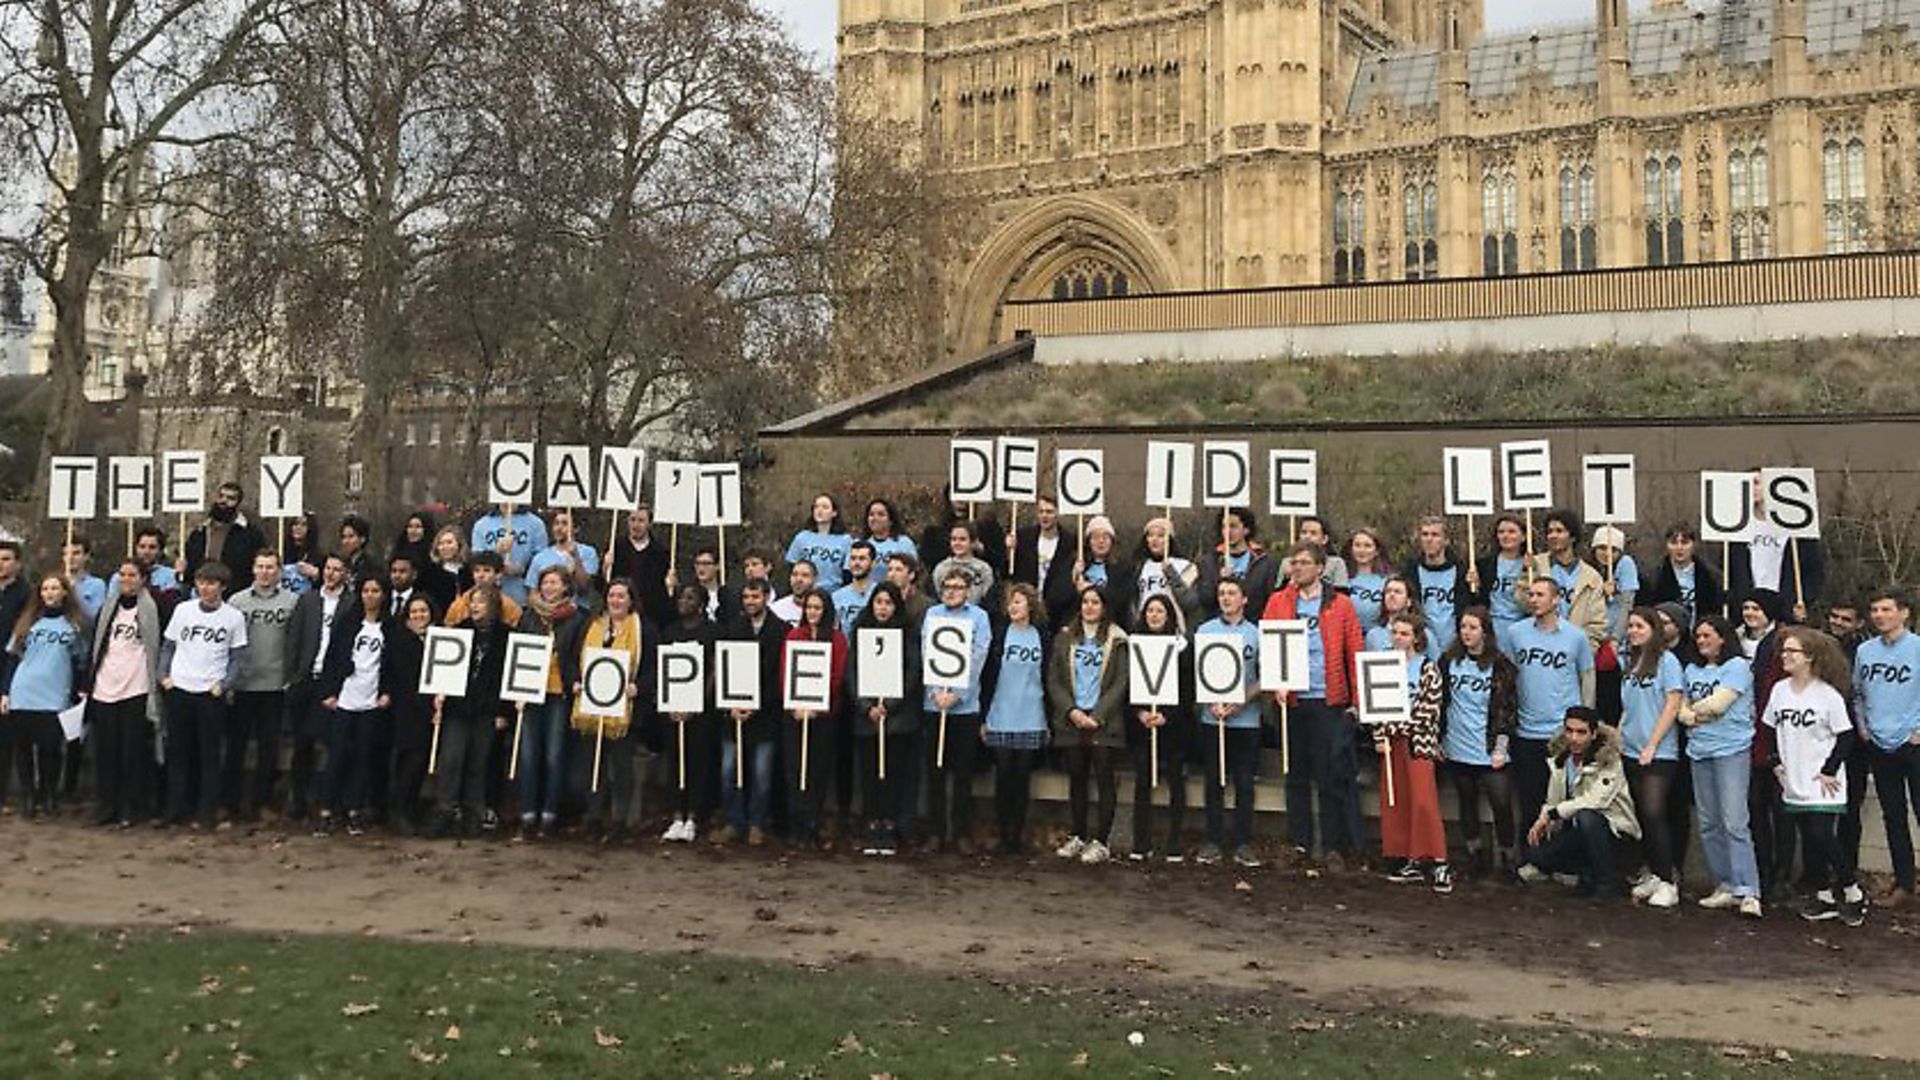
(1738, 32)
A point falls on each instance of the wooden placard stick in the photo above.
(513, 758)
(940, 750)
(739, 753)
(806, 745)
(599, 739)
(433, 752)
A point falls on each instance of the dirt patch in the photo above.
(1491, 952)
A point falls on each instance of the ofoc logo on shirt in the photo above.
(1472, 682)
(370, 644)
(277, 616)
(1800, 718)
(212, 635)
(1887, 673)
(52, 637)
(1433, 595)
(1021, 654)
(125, 631)
(1698, 690)
(1543, 658)
(1086, 654)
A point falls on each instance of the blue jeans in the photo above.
(1720, 796)
(543, 758)
(756, 808)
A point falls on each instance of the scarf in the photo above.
(550, 613)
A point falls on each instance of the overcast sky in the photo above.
(813, 20)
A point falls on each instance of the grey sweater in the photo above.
(269, 638)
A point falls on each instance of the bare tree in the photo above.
(92, 94)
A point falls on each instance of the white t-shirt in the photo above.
(1766, 553)
(1806, 724)
(361, 691)
(201, 641)
(1046, 548)
(328, 605)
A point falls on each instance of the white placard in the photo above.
(720, 500)
(1153, 669)
(510, 474)
(1293, 482)
(1726, 507)
(1080, 478)
(73, 488)
(1467, 476)
(1526, 475)
(1610, 487)
(947, 660)
(183, 481)
(681, 686)
(970, 470)
(443, 666)
(1169, 475)
(736, 683)
(1219, 669)
(1226, 474)
(569, 477)
(676, 493)
(524, 678)
(1284, 656)
(1017, 469)
(806, 678)
(604, 677)
(129, 487)
(1792, 502)
(283, 486)
(1380, 688)
(882, 666)
(621, 468)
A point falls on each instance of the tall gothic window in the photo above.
(1666, 231)
(1350, 230)
(1043, 140)
(1169, 83)
(1149, 116)
(1499, 238)
(1088, 108)
(1123, 89)
(1422, 226)
(1750, 198)
(1579, 237)
(1843, 160)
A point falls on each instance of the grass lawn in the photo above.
(152, 1003)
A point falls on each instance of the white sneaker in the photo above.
(1720, 899)
(1095, 852)
(672, 835)
(1665, 896)
(687, 831)
(1531, 874)
(1072, 848)
(1750, 906)
(1646, 886)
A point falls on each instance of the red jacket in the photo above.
(1340, 636)
(836, 675)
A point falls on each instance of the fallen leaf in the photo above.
(1781, 1055)
(850, 1044)
(241, 1060)
(354, 1008)
(423, 1056)
(606, 1040)
(64, 1048)
(745, 1068)
(1520, 1052)
(1735, 1052)
(1242, 886)
(453, 1033)
(1640, 1031)
(1079, 1060)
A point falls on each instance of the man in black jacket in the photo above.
(642, 560)
(314, 616)
(1043, 556)
(1230, 553)
(227, 537)
(749, 814)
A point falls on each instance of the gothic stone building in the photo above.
(1129, 146)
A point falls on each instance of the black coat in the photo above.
(647, 571)
(1813, 573)
(772, 640)
(1664, 588)
(1056, 592)
(903, 714)
(243, 541)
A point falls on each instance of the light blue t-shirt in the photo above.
(553, 556)
(1436, 602)
(163, 578)
(90, 593)
(1097, 574)
(292, 580)
(1365, 591)
(826, 551)
(1019, 703)
(43, 672)
(1469, 692)
(1087, 668)
(1550, 665)
(1309, 610)
(882, 549)
(1566, 577)
(969, 695)
(1732, 732)
(529, 539)
(1502, 603)
(1248, 715)
(849, 602)
(1886, 683)
(1642, 700)
(1626, 579)
(1686, 578)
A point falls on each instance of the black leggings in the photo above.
(695, 800)
(1471, 783)
(1528, 763)
(1083, 763)
(1012, 794)
(1826, 868)
(1653, 793)
(1176, 738)
(880, 799)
